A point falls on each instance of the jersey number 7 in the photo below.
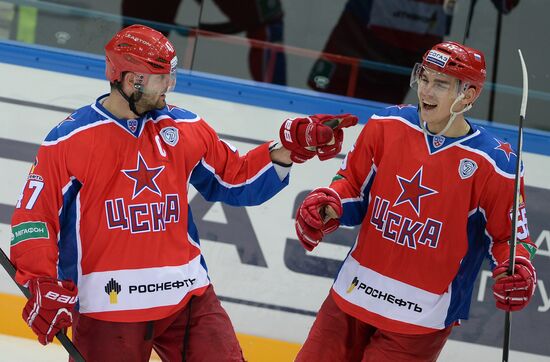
(34, 185)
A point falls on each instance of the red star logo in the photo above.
(412, 191)
(143, 177)
(505, 147)
(68, 119)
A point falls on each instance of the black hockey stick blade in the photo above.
(62, 337)
(513, 240)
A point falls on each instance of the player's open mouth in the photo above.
(428, 106)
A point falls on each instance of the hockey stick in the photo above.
(62, 337)
(511, 265)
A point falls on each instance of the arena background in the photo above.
(269, 285)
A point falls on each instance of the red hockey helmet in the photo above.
(459, 61)
(139, 49)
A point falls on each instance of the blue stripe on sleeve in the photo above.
(194, 234)
(463, 283)
(68, 250)
(253, 193)
(355, 211)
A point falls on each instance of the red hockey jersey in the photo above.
(430, 210)
(105, 205)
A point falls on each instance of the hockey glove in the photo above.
(338, 122)
(513, 292)
(314, 219)
(302, 136)
(50, 307)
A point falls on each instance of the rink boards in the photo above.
(270, 287)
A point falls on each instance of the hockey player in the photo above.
(393, 32)
(103, 221)
(433, 194)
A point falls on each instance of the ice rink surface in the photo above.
(25, 350)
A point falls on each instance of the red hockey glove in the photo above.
(50, 307)
(513, 292)
(336, 123)
(302, 136)
(313, 220)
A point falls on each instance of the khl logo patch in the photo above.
(466, 168)
(132, 124)
(438, 141)
(170, 135)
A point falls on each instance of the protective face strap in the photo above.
(135, 97)
(451, 119)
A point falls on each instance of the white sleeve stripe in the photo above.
(282, 171)
(78, 130)
(490, 160)
(360, 198)
(486, 232)
(177, 120)
(400, 119)
(229, 185)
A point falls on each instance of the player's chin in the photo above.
(425, 115)
(161, 103)
(428, 113)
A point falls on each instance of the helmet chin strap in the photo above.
(451, 119)
(132, 99)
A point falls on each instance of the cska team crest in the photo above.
(466, 168)
(170, 135)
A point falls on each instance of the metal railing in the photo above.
(193, 34)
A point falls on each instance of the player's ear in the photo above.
(128, 79)
(469, 96)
